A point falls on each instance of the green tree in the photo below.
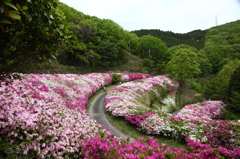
(108, 52)
(79, 50)
(205, 64)
(116, 78)
(112, 37)
(183, 65)
(218, 56)
(132, 40)
(234, 93)
(194, 38)
(222, 44)
(221, 81)
(154, 52)
(173, 49)
(31, 36)
(93, 41)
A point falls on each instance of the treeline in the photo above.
(212, 70)
(95, 42)
(92, 41)
(220, 78)
(194, 38)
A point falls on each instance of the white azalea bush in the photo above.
(135, 102)
(129, 98)
(45, 114)
(197, 122)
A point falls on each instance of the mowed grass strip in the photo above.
(131, 130)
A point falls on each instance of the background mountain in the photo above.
(194, 38)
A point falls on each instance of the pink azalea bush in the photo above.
(133, 76)
(110, 147)
(128, 98)
(201, 111)
(137, 119)
(45, 114)
(197, 121)
(220, 133)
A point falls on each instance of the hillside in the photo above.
(91, 44)
(194, 38)
(132, 64)
(222, 44)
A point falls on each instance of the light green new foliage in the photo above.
(184, 65)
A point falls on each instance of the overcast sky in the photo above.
(179, 16)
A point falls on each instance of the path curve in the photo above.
(96, 112)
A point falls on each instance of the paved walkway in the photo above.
(96, 112)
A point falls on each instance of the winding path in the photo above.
(96, 112)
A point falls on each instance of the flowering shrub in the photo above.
(110, 147)
(128, 98)
(221, 133)
(35, 118)
(197, 121)
(201, 111)
(137, 119)
(133, 76)
(44, 115)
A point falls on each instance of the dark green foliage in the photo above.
(205, 64)
(221, 81)
(230, 115)
(52, 67)
(154, 52)
(108, 53)
(8, 78)
(79, 48)
(116, 78)
(194, 38)
(215, 87)
(111, 42)
(234, 91)
(6, 151)
(33, 37)
(218, 55)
